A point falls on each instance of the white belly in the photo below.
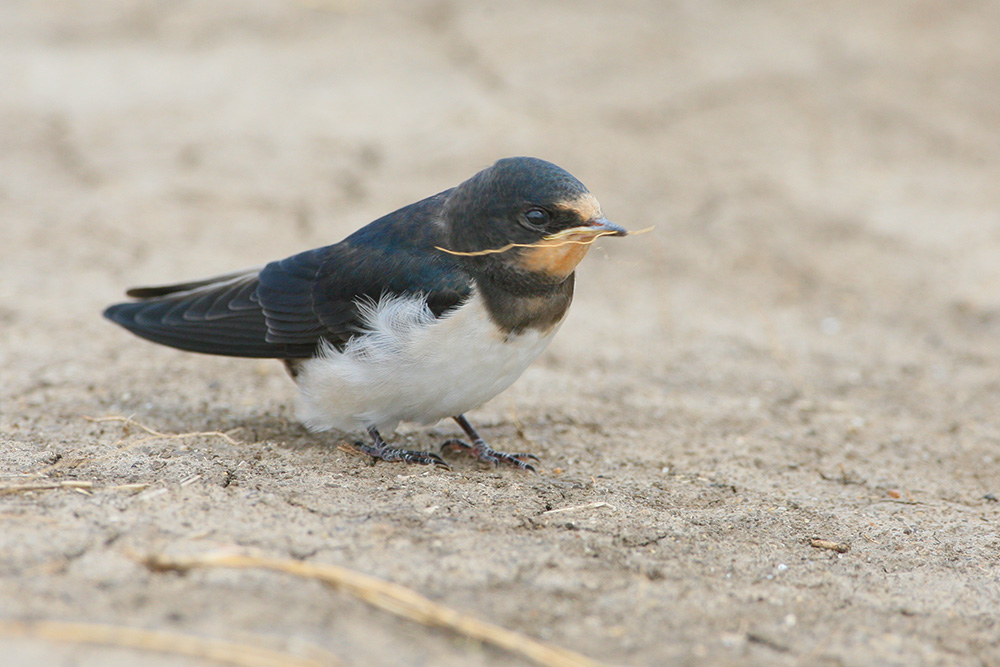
(414, 367)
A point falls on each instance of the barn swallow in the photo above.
(424, 314)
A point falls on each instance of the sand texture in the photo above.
(806, 347)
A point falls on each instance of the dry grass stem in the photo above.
(588, 506)
(559, 236)
(829, 544)
(80, 486)
(349, 448)
(191, 480)
(139, 486)
(128, 421)
(390, 597)
(44, 486)
(161, 642)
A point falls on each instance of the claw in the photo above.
(484, 452)
(380, 450)
(405, 455)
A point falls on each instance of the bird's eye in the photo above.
(536, 217)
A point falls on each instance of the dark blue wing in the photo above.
(285, 309)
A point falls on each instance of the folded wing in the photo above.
(285, 309)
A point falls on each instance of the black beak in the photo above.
(607, 228)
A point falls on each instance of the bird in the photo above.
(422, 315)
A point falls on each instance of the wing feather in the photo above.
(285, 309)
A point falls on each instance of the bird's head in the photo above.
(525, 216)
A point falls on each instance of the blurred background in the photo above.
(767, 142)
(819, 300)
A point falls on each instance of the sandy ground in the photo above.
(806, 346)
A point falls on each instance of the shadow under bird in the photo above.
(424, 314)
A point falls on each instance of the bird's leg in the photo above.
(380, 449)
(484, 452)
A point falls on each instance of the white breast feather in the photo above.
(411, 366)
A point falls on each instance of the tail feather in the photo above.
(165, 290)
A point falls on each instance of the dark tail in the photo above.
(219, 315)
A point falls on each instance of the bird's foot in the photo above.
(484, 452)
(404, 455)
(380, 450)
